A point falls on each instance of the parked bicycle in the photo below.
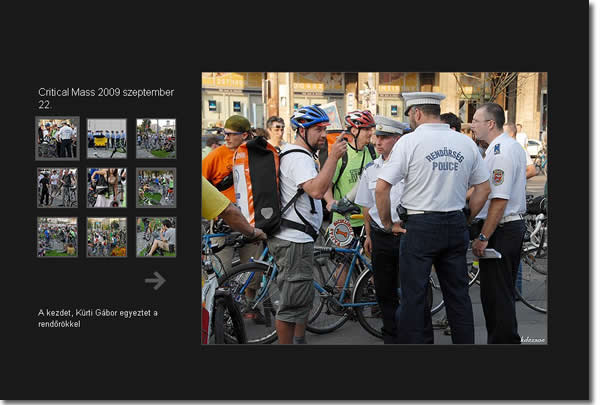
(221, 319)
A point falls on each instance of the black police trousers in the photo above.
(439, 239)
(385, 260)
(497, 278)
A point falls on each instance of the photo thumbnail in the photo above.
(106, 138)
(155, 236)
(156, 187)
(57, 187)
(57, 237)
(106, 188)
(106, 237)
(156, 138)
(56, 138)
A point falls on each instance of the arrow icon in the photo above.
(159, 280)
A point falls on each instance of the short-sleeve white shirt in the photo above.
(506, 162)
(438, 165)
(295, 169)
(522, 139)
(365, 195)
(65, 132)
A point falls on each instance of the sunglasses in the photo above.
(278, 127)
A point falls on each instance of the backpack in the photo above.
(256, 182)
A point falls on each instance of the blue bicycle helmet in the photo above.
(308, 116)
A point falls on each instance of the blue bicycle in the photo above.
(340, 294)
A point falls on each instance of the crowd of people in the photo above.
(110, 139)
(104, 243)
(57, 140)
(61, 239)
(426, 193)
(107, 188)
(55, 184)
(155, 141)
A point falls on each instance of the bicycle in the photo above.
(332, 306)
(69, 196)
(531, 286)
(221, 319)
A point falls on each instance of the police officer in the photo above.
(382, 247)
(437, 167)
(504, 227)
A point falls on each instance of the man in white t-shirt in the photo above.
(53, 185)
(301, 186)
(438, 165)
(503, 228)
(65, 134)
(521, 137)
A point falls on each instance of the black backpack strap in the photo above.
(342, 168)
(372, 151)
(306, 227)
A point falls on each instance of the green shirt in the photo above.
(350, 177)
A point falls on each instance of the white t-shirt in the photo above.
(54, 179)
(522, 139)
(505, 160)
(438, 166)
(365, 195)
(295, 169)
(65, 133)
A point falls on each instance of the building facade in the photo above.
(259, 95)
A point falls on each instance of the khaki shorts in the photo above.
(294, 279)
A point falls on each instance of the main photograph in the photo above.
(360, 208)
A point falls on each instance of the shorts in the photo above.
(294, 279)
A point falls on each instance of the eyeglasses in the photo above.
(232, 133)
(477, 121)
(278, 127)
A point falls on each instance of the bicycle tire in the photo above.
(327, 315)
(533, 285)
(370, 317)
(218, 318)
(235, 331)
(236, 282)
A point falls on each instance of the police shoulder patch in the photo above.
(497, 149)
(497, 177)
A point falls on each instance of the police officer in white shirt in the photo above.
(382, 247)
(504, 227)
(438, 165)
(65, 134)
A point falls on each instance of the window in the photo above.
(237, 106)
(212, 105)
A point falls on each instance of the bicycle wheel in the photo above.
(532, 285)
(260, 328)
(218, 318)
(327, 314)
(369, 313)
(437, 298)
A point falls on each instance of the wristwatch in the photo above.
(482, 237)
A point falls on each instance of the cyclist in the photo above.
(292, 245)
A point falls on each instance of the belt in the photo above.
(415, 212)
(510, 218)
